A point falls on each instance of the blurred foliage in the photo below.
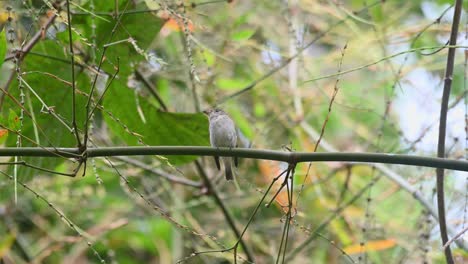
(232, 44)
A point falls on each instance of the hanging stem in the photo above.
(443, 128)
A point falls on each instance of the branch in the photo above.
(212, 192)
(73, 106)
(151, 88)
(443, 127)
(299, 52)
(328, 220)
(161, 173)
(456, 237)
(21, 53)
(35, 39)
(289, 157)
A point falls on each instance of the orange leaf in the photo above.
(270, 170)
(3, 133)
(375, 245)
(173, 25)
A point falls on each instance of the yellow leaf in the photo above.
(375, 245)
(6, 243)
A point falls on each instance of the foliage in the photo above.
(144, 71)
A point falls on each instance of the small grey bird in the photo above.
(222, 134)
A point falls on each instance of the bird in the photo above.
(222, 134)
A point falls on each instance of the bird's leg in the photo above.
(236, 161)
(216, 158)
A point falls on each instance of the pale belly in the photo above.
(223, 135)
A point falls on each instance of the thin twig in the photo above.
(93, 86)
(34, 40)
(391, 175)
(327, 221)
(98, 102)
(24, 163)
(212, 191)
(151, 89)
(35, 124)
(70, 39)
(161, 173)
(330, 105)
(288, 60)
(45, 107)
(62, 217)
(455, 237)
(251, 218)
(381, 60)
(443, 127)
(20, 54)
(132, 12)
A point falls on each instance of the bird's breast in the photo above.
(222, 133)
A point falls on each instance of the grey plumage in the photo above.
(222, 134)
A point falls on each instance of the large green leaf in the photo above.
(143, 28)
(155, 127)
(44, 88)
(132, 110)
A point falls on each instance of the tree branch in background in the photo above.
(33, 41)
(299, 52)
(151, 88)
(161, 173)
(443, 127)
(389, 174)
(455, 237)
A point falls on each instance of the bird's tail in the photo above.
(227, 168)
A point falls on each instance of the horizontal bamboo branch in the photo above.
(290, 157)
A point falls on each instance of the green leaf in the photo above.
(156, 128)
(63, 36)
(260, 110)
(425, 40)
(56, 95)
(377, 13)
(209, 58)
(3, 46)
(153, 5)
(13, 120)
(241, 20)
(6, 243)
(142, 28)
(242, 35)
(231, 84)
(3, 135)
(242, 123)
